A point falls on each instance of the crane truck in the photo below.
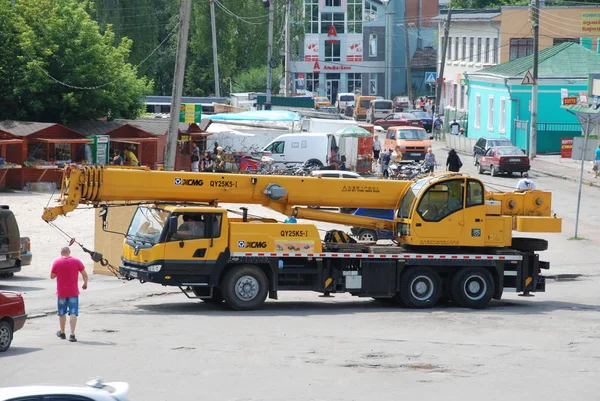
(454, 238)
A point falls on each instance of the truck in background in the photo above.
(15, 251)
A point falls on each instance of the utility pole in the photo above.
(408, 71)
(388, 52)
(184, 27)
(214, 44)
(534, 86)
(270, 48)
(440, 77)
(288, 46)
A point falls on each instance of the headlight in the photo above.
(154, 268)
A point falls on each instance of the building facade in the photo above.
(344, 45)
(472, 45)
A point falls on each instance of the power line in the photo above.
(105, 84)
(243, 19)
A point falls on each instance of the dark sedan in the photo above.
(398, 120)
(503, 159)
(425, 117)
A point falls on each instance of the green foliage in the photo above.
(255, 80)
(56, 40)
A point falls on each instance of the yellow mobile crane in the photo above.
(454, 238)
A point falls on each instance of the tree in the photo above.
(255, 80)
(64, 68)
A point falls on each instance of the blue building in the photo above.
(499, 103)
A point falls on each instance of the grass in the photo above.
(576, 239)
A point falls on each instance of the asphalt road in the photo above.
(303, 347)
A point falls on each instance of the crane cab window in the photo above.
(441, 200)
(474, 193)
(276, 147)
(197, 226)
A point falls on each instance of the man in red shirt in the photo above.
(66, 270)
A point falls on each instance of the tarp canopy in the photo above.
(10, 141)
(71, 141)
(260, 115)
(353, 132)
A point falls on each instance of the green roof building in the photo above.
(499, 100)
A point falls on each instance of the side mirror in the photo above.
(173, 224)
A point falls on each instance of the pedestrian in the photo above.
(453, 162)
(596, 167)
(66, 270)
(216, 148)
(437, 128)
(430, 161)
(291, 220)
(454, 127)
(117, 159)
(207, 162)
(220, 161)
(525, 184)
(376, 148)
(130, 158)
(195, 158)
(386, 157)
(335, 160)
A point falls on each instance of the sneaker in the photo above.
(72, 338)
(61, 335)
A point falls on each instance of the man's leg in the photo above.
(62, 321)
(73, 323)
(73, 304)
(62, 316)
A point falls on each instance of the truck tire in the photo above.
(472, 287)
(6, 335)
(245, 287)
(529, 244)
(367, 235)
(420, 287)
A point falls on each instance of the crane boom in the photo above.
(105, 184)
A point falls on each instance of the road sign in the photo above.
(528, 79)
(430, 77)
(190, 113)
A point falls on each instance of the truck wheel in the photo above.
(420, 287)
(245, 287)
(472, 287)
(529, 244)
(367, 235)
(6, 335)
(493, 171)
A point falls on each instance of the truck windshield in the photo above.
(409, 198)
(147, 224)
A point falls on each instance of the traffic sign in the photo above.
(528, 79)
(430, 77)
(190, 113)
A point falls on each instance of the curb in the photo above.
(546, 173)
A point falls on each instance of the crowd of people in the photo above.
(210, 161)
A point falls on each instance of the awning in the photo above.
(135, 141)
(10, 141)
(71, 141)
(198, 133)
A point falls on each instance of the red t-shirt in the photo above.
(67, 270)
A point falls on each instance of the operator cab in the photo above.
(447, 210)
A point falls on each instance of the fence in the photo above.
(460, 143)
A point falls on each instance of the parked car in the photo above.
(10, 243)
(379, 109)
(483, 144)
(303, 147)
(372, 235)
(425, 118)
(361, 106)
(399, 119)
(344, 100)
(503, 159)
(12, 317)
(94, 390)
(401, 103)
(322, 101)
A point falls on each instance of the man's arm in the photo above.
(53, 272)
(85, 279)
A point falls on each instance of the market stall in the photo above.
(356, 144)
(187, 140)
(143, 148)
(8, 148)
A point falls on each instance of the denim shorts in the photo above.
(71, 304)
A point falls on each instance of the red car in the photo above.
(503, 159)
(12, 317)
(399, 119)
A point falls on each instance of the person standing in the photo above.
(130, 158)
(220, 159)
(454, 127)
(66, 270)
(207, 162)
(117, 159)
(386, 158)
(438, 123)
(216, 148)
(597, 161)
(376, 148)
(453, 162)
(195, 158)
(430, 161)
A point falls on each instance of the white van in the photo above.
(302, 147)
(379, 109)
(343, 100)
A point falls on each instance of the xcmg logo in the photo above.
(252, 244)
(185, 181)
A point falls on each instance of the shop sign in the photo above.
(190, 113)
